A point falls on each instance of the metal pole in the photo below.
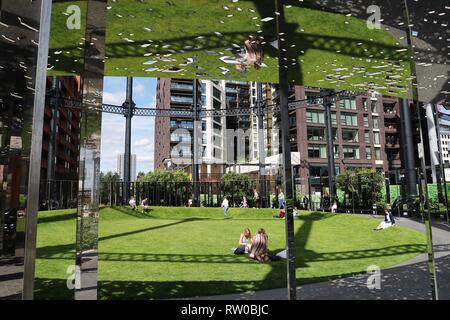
(89, 169)
(408, 149)
(36, 151)
(286, 145)
(262, 156)
(52, 144)
(197, 148)
(426, 215)
(128, 106)
(441, 161)
(330, 149)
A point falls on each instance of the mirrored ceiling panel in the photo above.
(345, 45)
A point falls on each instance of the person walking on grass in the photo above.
(225, 206)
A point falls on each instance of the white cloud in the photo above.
(116, 98)
(142, 143)
(139, 89)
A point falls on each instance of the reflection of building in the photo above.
(121, 164)
(61, 133)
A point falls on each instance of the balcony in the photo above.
(182, 87)
(182, 100)
(391, 129)
(390, 113)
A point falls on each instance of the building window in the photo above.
(364, 103)
(368, 153)
(336, 152)
(351, 152)
(376, 124)
(376, 138)
(373, 106)
(378, 154)
(316, 134)
(318, 151)
(349, 119)
(367, 137)
(366, 121)
(349, 104)
(217, 94)
(315, 117)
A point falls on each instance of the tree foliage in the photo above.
(363, 185)
(105, 182)
(164, 176)
(236, 186)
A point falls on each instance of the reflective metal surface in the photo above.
(20, 92)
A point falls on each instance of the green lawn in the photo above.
(185, 252)
(145, 39)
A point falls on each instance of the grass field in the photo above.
(149, 38)
(185, 252)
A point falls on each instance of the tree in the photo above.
(363, 185)
(176, 182)
(105, 183)
(236, 186)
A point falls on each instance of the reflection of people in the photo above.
(225, 205)
(259, 246)
(250, 56)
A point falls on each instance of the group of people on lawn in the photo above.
(144, 204)
(256, 247)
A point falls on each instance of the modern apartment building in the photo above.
(121, 164)
(366, 128)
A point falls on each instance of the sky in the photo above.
(113, 126)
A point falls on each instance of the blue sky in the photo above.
(113, 126)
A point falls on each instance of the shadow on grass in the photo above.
(134, 213)
(57, 218)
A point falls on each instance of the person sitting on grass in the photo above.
(386, 223)
(295, 212)
(281, 214)
(258, 250)
(132, 203)
(144, 205)
(245, 242)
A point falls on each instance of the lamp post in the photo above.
(286, 144)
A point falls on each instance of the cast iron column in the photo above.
(408, 150)
(128, 112)
(286, 145)
(196, 148)
(262, 156)
(326, 95)
(52, 145)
